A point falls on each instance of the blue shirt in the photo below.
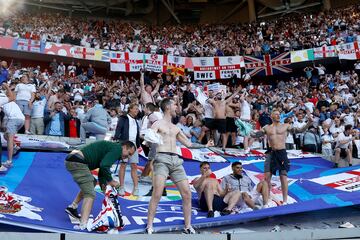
(55, 129)
(197, 131)
(4, 75)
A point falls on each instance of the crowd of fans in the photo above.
(73, 101)
(290, 32)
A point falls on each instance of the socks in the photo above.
(73, 205)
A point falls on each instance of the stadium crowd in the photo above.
(65, 101)
(290, 32)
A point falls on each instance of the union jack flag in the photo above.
(268, 65)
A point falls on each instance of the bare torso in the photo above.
(169, 132)
(219, 109)
(229, 111)
(277, 135)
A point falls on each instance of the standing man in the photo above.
(25, 95)
(167, 163)
(219, 105)
(55, 121)
(277, 159)
(128, 129)
(10, 97)
(80, 163)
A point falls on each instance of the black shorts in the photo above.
(220, 125)
(343, 153)
(218, 203)
(209, 123)
(277, 160)
(230, 125)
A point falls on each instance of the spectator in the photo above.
(55, 121)
(25, 95)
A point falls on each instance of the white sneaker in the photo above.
(122, 191)
(28, 133)
(3, 169)
(8, 164)
(146, 179)
(347, 225)
(189, 230)
(149, 230)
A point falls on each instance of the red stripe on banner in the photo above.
(127, 64)
(165, 60)
(344, 182)
(324, 51)
(354, 173)
(356, 47)
(84, 53)
(217, 64)
(268, 68)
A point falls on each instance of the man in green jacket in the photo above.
(80, 163)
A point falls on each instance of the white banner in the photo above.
(155, 62)
(211, 68)
(126, 62)
(349, 51)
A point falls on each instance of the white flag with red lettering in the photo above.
(155, 62)
(212, 68)
(126, 62)
(83, 53)
(348, 51)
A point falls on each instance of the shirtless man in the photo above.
(210, 193)
(230, 121)
(277, 159)
(167, 162)
(219, 105)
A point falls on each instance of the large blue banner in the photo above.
(37, 189)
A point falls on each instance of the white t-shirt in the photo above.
(24, 91)
(342, 137)
(38, 108)
(78, 94)
(12, 111)
(132, 129)
(310, 106)
(3, 100)
(328, 138)
(114, 121)
(245, 111)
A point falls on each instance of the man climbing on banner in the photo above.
(168, 163)
(102, 155)
(277, 159)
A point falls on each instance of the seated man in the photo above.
(240, 186)
(343, 146)
(210, 193)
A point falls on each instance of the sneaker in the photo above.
(3, 169)
(225, 212)
(267, 206)
(257, 207)
(135, 192)
(347, 225)
(72, 212)
(210, 214)
(8, 164)
(189, 230)
(247, 151)
(336, 165)
(350, 164)
(16, 150)
(28, 133)
(149, 230)
(122, 191)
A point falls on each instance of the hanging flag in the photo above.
(212, 68)
(28, 45)
(325, 52)
(58, 49)
(102, 55)
(348, 51)
(268, 65)
(302, 55)
(126, 62)
(176, 65)
(83, 52)
(155, 62)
